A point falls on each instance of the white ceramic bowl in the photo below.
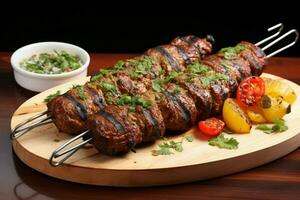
(40, 82)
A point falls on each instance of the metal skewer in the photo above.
(284, 47)
(280, 26)
(60, 151)
(26, 125)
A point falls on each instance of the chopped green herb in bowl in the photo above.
(56, 62)
(43, 65)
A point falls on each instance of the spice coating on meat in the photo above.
(132, 79)
(170, 88)
(113, 132)
(69, 112)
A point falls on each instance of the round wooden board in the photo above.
(198, 160)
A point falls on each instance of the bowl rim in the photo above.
(17, 68)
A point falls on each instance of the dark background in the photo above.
(130, 29)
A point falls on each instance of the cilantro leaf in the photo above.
(140, 66)
(80, 91)
(197, 68)
(224, 143)
(101, 73)
(264, 128)
(161, 151)
(156, 85)
(189, 138)
(171, 76)
(108, 87)
(52, 96)
(166, 147)
(231, 52)
(119, 65)
(134, 100)
(278, 126)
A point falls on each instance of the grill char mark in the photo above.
(185, 113)
(81, 109)
(168, 57)
(153, 122)
(112, 120)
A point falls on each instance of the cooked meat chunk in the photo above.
(113, 132)
(168, 88)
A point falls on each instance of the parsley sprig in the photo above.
(108, 87)
(133, 101)
(224, 143)
(212, 78)
(109, 71)
(277, 127)
(167, 148)
(80, 92)
(232, 52)
(52, 96)
(156, 84)
(140, 66)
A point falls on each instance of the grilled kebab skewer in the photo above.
(70, 111)
(169, 102)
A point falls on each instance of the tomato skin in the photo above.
(250, 91)
(211, 126)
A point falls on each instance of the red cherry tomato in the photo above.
(211, 126)
(250, 91)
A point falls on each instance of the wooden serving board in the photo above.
(198, 160)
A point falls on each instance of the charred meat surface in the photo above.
(133, 76)
(112, 131)
(170, 87)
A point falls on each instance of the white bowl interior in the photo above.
(37, 48)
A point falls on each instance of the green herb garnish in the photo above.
(109, 71)
(133, 101)
(110, 100)
(131, 109)
(224, 143)
(232, 52)
(51, 63)
(172, 76)
(52, 96)
(143, 102)
(156, 83)
(206, 78)
(108, 87)
(219, 76)
(140, 66)
(197, 68)
(157, 97)
(119, 65)
(80, 91)
(212, 78)
(166, 147)
(190, 77)
(279, 126)
(205, 81)
(102, 73)
(177, 89)
(189, 138)
(162, 72)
